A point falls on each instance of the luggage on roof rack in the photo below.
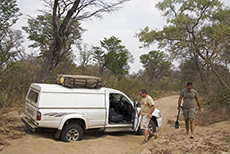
(79, 81)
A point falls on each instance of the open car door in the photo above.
(135, 117)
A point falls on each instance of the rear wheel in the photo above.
(72, 132)
(152, 127)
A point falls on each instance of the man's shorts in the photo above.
(144, 122)
(189, 113)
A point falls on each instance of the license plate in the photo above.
(30, 111)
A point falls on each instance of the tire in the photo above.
(72, 132)
(152, 127)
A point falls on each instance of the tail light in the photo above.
(39, 115)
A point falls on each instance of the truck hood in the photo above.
(156, 112)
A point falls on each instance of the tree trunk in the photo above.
(222, 82)
(59, 39)
(46, 65)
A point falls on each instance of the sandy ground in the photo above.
(209, 139)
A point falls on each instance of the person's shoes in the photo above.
(143, 142)
(155, 136)
(191, 137)
(150, 136)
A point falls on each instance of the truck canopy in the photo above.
(54, 95)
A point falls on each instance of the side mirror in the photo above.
(138, 104)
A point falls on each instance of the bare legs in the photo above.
(187, 126)
(190, 122)
(146, 134)
(145, 137)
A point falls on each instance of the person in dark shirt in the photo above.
(189, 97)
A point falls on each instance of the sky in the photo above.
(124, 24)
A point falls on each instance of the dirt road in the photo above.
(215, 138)
(168, 108)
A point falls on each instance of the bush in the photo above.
(221, 97)
(15, 83)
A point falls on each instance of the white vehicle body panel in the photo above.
(57, 104)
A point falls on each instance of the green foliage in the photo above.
(113, 56)
(221, 97)
(15, 83)
(197, 33)
(9, 13)
(188, 72)
(99, 58)
(10, 40)
(221, 33)
(41, 31)
(156, 65)
(195, 29)
(186, 21)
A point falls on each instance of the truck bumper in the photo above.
(29, 124)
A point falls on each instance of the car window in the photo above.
(119, 97)
(33, 96)
(124, 99)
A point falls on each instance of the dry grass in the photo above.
(11, 126)
(212, 114)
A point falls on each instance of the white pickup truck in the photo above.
(71, 111)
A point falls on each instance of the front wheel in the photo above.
(72, 132)
(152, 127)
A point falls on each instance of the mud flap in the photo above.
(57, 134)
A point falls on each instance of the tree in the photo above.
(10, 40)
(100, 59)
(10, 47)
(70, 11)
(9, 13)
(112, 56)
(156, 65)
(40, 31)
(191, 32)
(187, 72)
(221, 33)
(85, 55)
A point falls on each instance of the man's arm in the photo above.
(198, 102)
(151, 112)
(179, 102)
